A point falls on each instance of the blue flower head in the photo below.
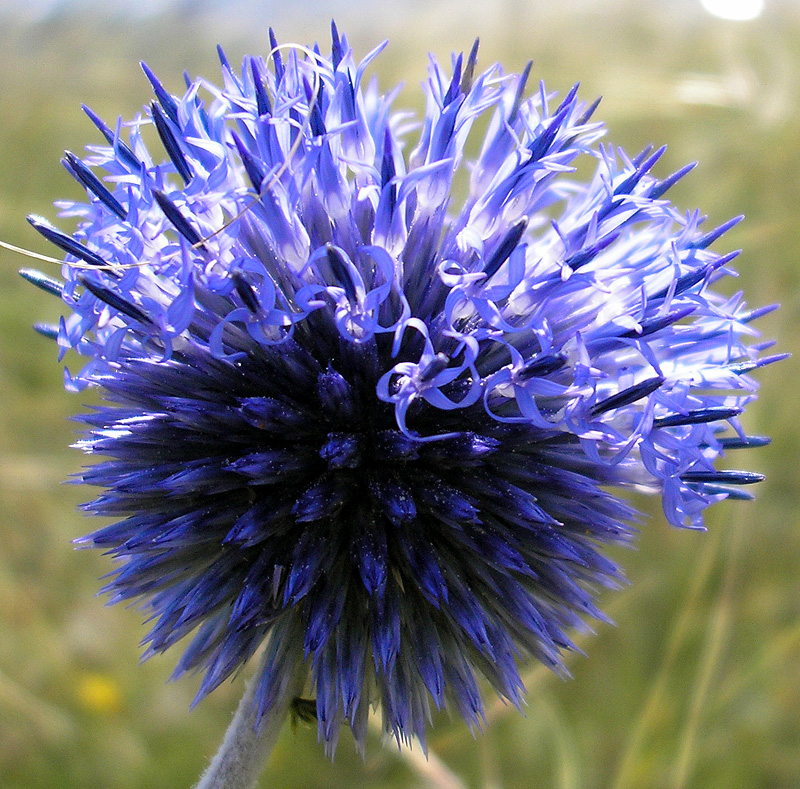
(369, 398)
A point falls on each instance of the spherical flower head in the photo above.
(371, 386)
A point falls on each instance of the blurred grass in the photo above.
(699, 683)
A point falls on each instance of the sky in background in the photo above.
(39, 9)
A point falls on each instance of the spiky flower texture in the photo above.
(369, 389)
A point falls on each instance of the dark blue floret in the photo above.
(744, 442)
(725, 477)
(178, 220)
(741, 368)
(661, 187)
(121, 148)
(688, 281)
(46, 330)
(65, 242)
(340, 271)
(245, 291)
(709, 238)
(469, 70)
(542, 366)
(263, 103)
(589, 253)
(114, 300)
(168, 104)
(170, 143)
(276, 57)
(86, 177)
(505, 248)
(660, 322)
(337, 51)
(644, 166)
(48, 284)
(630, 395)
(697, 417)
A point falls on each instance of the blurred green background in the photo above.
(697, 685)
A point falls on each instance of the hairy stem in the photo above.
(245, 748)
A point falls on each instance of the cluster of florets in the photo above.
(372, 418)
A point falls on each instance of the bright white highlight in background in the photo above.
(740, 10)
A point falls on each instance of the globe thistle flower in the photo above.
(372, 389)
